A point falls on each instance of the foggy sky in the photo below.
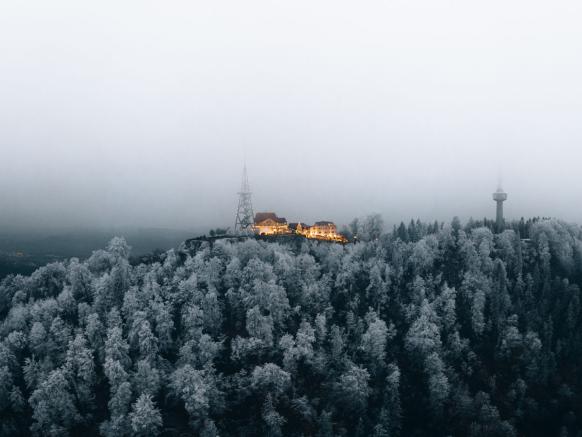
(142, 112)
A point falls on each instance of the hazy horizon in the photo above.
(141, 114)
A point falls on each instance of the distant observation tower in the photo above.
(499, 197)
(244, 221)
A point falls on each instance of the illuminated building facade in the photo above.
(267, 223)
(299, 228)
(323, 230)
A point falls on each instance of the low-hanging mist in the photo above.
(137, 114)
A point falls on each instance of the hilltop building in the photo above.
(322, 230)
(267, 223)
(299, 228)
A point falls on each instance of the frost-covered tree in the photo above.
(433, 329)
(53, 406)
(145, 418)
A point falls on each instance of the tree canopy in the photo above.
(431, 329)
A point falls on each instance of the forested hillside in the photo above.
(431, 330)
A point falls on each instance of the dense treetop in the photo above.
(432, 329)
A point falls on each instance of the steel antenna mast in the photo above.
(244, 215)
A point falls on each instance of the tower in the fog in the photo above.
(244, 215)
(499, 197)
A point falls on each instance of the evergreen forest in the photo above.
(431, 329)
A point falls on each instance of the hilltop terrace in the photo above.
(268, 223)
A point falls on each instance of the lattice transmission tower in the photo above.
(244, 215)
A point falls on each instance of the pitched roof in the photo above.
(262, 216)
(324, 223)
(294, 225)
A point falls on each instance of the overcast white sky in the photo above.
(141, 112)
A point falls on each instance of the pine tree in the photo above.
(145, 418)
